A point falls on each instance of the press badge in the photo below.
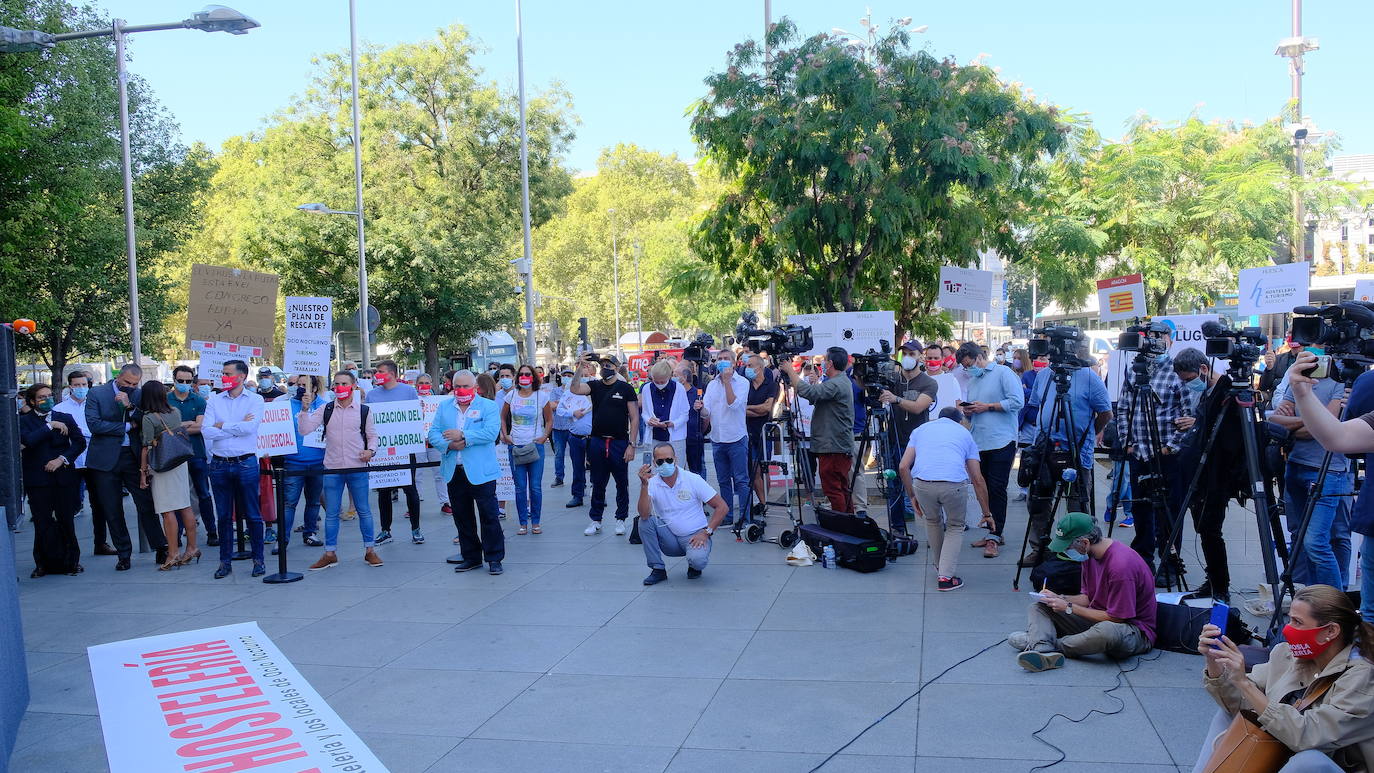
(474, 414)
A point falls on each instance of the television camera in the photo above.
(1060, 345)
(790, 340)
(878, 372)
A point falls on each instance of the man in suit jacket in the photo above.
(465, 431)
(113, 456)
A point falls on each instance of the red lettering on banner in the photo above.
(259, 737)
(237, 681)
(194, 649)
(252, 720)
(251, 760)
(202, 676)
(194, 665)
(181, 718)
(207, 698)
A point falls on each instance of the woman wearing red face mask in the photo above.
(527, 418)
(1315, 694)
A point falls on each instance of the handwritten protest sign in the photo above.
(232, 305)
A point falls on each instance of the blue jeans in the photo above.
(577, 450)
(1367, 580)
(732, 475)
(313, 486)
(199, 470)
(897, 503)
(236, 490)
(1318, 561)
(529, 479)
(333, 499)
(1121, 482)
(560, 447)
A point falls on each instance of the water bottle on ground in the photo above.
(828, 557)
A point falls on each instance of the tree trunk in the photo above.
(57, 364)
(432, 357)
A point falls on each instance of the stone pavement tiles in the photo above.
(567, 663)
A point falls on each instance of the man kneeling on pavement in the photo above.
(674, 524)
(1113, 615)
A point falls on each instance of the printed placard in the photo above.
(309, 327)
(1121, 297)
(854, 331)
(505, 480)
(400, 433)
(222, 698)
(1273, 289)
(276, 432)
(429, 406)
(969, 289)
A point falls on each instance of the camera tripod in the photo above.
(879, 429)
(1152, 487)
(1350, 370)
(1239, 403)
(1070, 483)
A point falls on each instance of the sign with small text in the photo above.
(1121, 297)
(969, 289)
(1273, 289)
(309, 326)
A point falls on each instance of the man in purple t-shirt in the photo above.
(1114, 615)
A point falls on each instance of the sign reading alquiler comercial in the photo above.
(217, 700)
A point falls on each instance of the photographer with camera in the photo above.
(909, 410)
(1090, 410)
(994, 401)
(1139, 421)
(832, 424)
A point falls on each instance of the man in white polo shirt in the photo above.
(680, 527)
(940, 461)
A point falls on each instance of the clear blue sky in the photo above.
(634, 67)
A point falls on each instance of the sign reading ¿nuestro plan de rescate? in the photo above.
(217, 700)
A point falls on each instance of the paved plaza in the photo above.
(567, 663)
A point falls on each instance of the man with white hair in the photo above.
(664, 409)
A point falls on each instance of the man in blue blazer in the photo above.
(114, 457)
(465, 431)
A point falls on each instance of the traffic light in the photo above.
(582, 329)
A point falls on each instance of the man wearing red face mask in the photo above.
(466, 430)
(230, 429)
(388, 388)
(350, 442)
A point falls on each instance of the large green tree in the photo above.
(441, 156)
(62, 248)
(856, 168)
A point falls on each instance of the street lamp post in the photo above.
(1293, 48)
(639, 305)
(212, 18)
(615, 284)
(364, 335)
(528, 265)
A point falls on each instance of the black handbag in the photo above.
(170, 449)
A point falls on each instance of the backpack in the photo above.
(362, 421)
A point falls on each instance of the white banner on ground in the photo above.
(965, 288)
(1272, 289)
(220, 698)
(276, 432)
(1187, 331)
(309, 325)
(1364, 290)
(855, 331)
(505, 481)
(1121, 297)
(400, 433)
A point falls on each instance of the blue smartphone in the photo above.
(1220, 613)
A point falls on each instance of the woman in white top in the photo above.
(527, 418)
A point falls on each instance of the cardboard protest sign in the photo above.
(233, 305)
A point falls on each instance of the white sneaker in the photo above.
(619, 528)
(592, 528)
(1019, 640)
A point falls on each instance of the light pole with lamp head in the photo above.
(364, 336)
(212, 18)
(615, 284)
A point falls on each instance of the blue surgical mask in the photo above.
(666, 470)
(976, 371)
(750, 373)
(506, 383)
(1198, 384)
(1075, 556)
(204, 390)
(80, 392)
(908, 363)
(181, 388)
(354, 371)
(723, 366)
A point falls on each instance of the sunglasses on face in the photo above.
(661, 462)
(185, 381)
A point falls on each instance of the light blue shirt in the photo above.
(1310, 452)
(998, 384)
(1087, 397)
(943, 448)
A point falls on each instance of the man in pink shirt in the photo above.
(349, 442)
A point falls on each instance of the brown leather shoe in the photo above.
(1031, 559)
(104, 549)
(982, 543)
(372, 558)
(327, 560)
(990, 548)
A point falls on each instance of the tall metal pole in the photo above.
(1295, 73)
(639, 306)
(130, 239)
(615, 284)
(773, 312)
(525, 190)
(364, 336)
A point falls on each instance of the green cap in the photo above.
(1069, 528)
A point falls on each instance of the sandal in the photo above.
(535, 529)
(990, 549)
(522, 530)
(981, 543)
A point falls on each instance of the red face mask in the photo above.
(524, 381)
(1302, 642)
(464, 395)
(380, 379)
(343, 391)
(949, 362)
(424, 389)
(935, 363)
(1038, 364)
(230, 382)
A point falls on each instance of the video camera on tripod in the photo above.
(1059, 344)
(699, 350)
(1240, 348)
(779, 339)
(878, 373)
(1345, 330)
